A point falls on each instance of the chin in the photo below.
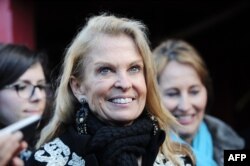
(186, 132)
(124, 116)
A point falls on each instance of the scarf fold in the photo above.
(202, 146)
(115, 145)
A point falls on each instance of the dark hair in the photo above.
(15, 60)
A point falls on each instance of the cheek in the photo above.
(11, 101)
(142, 90)
(11, 108)
(170, 104)
(43, 103)
(140, 84)
(201, 102)
(96, 93)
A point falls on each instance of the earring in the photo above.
(154, 122)
(81, 116)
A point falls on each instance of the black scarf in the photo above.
(119, 146)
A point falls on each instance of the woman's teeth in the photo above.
(122, 100)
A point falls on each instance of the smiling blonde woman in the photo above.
(185, 87)
(108, 111)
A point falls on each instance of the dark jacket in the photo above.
(224, 138)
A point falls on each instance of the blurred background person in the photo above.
(23, 85)
(186, 90)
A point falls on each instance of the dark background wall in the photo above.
(219, 30)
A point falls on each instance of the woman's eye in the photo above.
(42, 87)
(194, 92)
(171, 94)
(135, 69)
(104, 70)
(21, 87)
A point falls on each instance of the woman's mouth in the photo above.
(32, 111)
(185, 119)
(121, 100)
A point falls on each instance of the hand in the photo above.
(10, 146)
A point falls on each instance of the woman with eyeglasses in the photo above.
(22, 84)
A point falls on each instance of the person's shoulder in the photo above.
(54, 152)
(183, 160)
(219, 129)
(215, 125)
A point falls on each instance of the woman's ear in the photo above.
(76, 88)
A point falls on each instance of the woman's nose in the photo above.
(184, 103)
(123, 81)
(38, 94)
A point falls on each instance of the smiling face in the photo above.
(184, 95)
(114, 82)
(14, 108)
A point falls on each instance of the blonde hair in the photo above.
(75, 59)
(182, 52)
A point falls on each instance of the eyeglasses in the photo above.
(26, 90)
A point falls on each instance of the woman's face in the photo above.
(114, 81)
(13, 107)
(184, 95)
